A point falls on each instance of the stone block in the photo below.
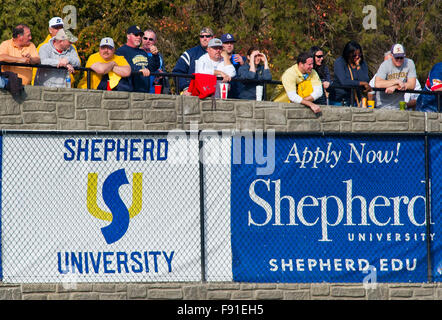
(244, 110)
(304, 125)
(275, 117)
(71, 124)
(219, 117)
(40, 117)
(11, 120)
(115, 95)
(38, 287)
(58, 96)
(164, 104)
(66, 110)
(97, 118)
(126, 115)
(301, 113)
(348, 292)
(136, 291)
(9, 107)
(33, 92)
(169, 294)
(160, 116)
(89, 100)
(269, 295)
(38, 106)
(115, 104)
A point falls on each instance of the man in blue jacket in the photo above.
(186, 62)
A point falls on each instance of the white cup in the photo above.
(259, 90)
(223, 89)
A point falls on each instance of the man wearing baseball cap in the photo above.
(60, 53)
(237, 60)
(216, 62)
(186, 62)
(140, 63)
(110, 70)
(55, 24)
(395, 75)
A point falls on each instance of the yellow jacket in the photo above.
(293, 80)
(96, 78)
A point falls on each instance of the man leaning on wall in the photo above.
(20, 49)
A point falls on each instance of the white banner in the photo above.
(100, 208)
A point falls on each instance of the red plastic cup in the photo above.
(158, 88)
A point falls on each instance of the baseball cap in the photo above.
(215, 42)
(206, 30)
(107, 42)
(227, 37)
(56, 22)
(70, 36)
(398, 50)
(65, 35)
(135, 30)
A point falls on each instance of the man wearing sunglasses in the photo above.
(148, 44)
(140, 63)
(395, 75)
(186, 62)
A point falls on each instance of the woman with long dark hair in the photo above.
(323, 72)
(257, 68)
(350, 69)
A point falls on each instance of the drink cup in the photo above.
(370, 104)
(158, 88)
(259, 91)
(223, 87)
(402, 105)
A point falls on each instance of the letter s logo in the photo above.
(119, 215)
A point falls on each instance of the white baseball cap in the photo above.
(107, 42)
(56, 22)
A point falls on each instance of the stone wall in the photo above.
(91, 110)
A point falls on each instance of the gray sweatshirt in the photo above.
(50, 56)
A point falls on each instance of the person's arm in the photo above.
(244, 72)
(46, 57)
(8, 58)
(103, 68)
(342, 73)
(122, 71)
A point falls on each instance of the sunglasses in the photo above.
(205, 36)
(399, 58)
(319, 56)
(150, 39)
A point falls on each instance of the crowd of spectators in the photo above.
(130, 68)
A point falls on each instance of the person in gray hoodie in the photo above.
(60, 53)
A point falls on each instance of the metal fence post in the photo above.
(428, 209)
(202, 209)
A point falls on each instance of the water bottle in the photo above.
(68, 81)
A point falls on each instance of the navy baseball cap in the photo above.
(135, 30)
(227, 37)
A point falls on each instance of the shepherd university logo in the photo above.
(119, 214)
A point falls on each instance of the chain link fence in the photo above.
(191, 206)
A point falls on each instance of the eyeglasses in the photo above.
(150, 39)
(206, 36)
(399, 58)
(319, 56)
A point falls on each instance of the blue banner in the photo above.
(436, 204)
(334, 209)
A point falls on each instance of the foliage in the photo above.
(282, 29)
